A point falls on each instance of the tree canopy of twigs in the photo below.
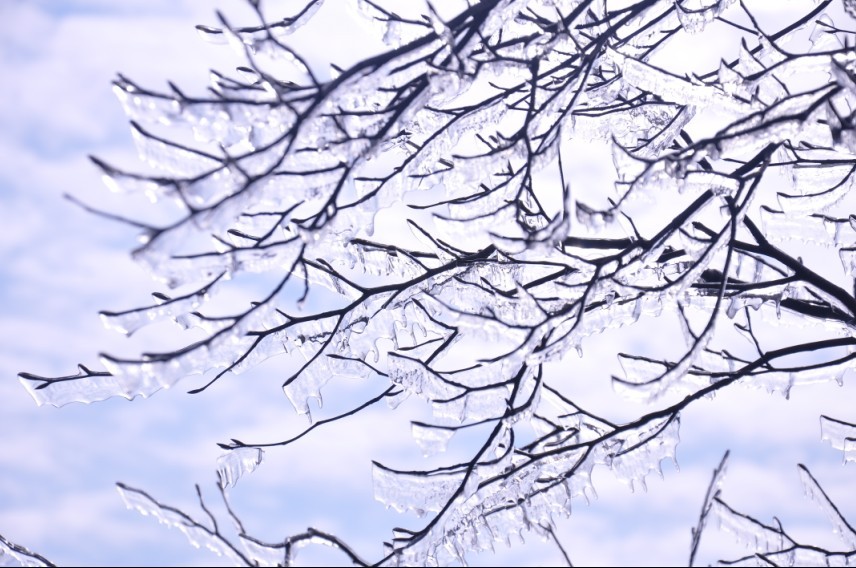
(499, 261)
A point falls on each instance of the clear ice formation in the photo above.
(462, 127)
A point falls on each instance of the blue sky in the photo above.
(60, 265)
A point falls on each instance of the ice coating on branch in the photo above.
(309, 338)
(475, 405)
(641, 369)
(262, 554)
(85, 390)
(803, 556)
(129, 321)
(643, 452)
(145, 106)
(834, 185)
(749, 531)
(840, 435)
(171, 157)
(694, 15)
(415, 377)
(675, 89)
(774, 545)
(119, 181)
(432, 440)
(197, 534)
(10, 556)
(417, 492)
(484, 519)
(394, 32)
(190, 269)
(784, 382)
(848, 260)
(236, 463)
(840, 526)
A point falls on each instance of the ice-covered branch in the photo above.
(12, 554)
(496, 259)
(774, 546)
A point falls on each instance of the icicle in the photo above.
(236, 463)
